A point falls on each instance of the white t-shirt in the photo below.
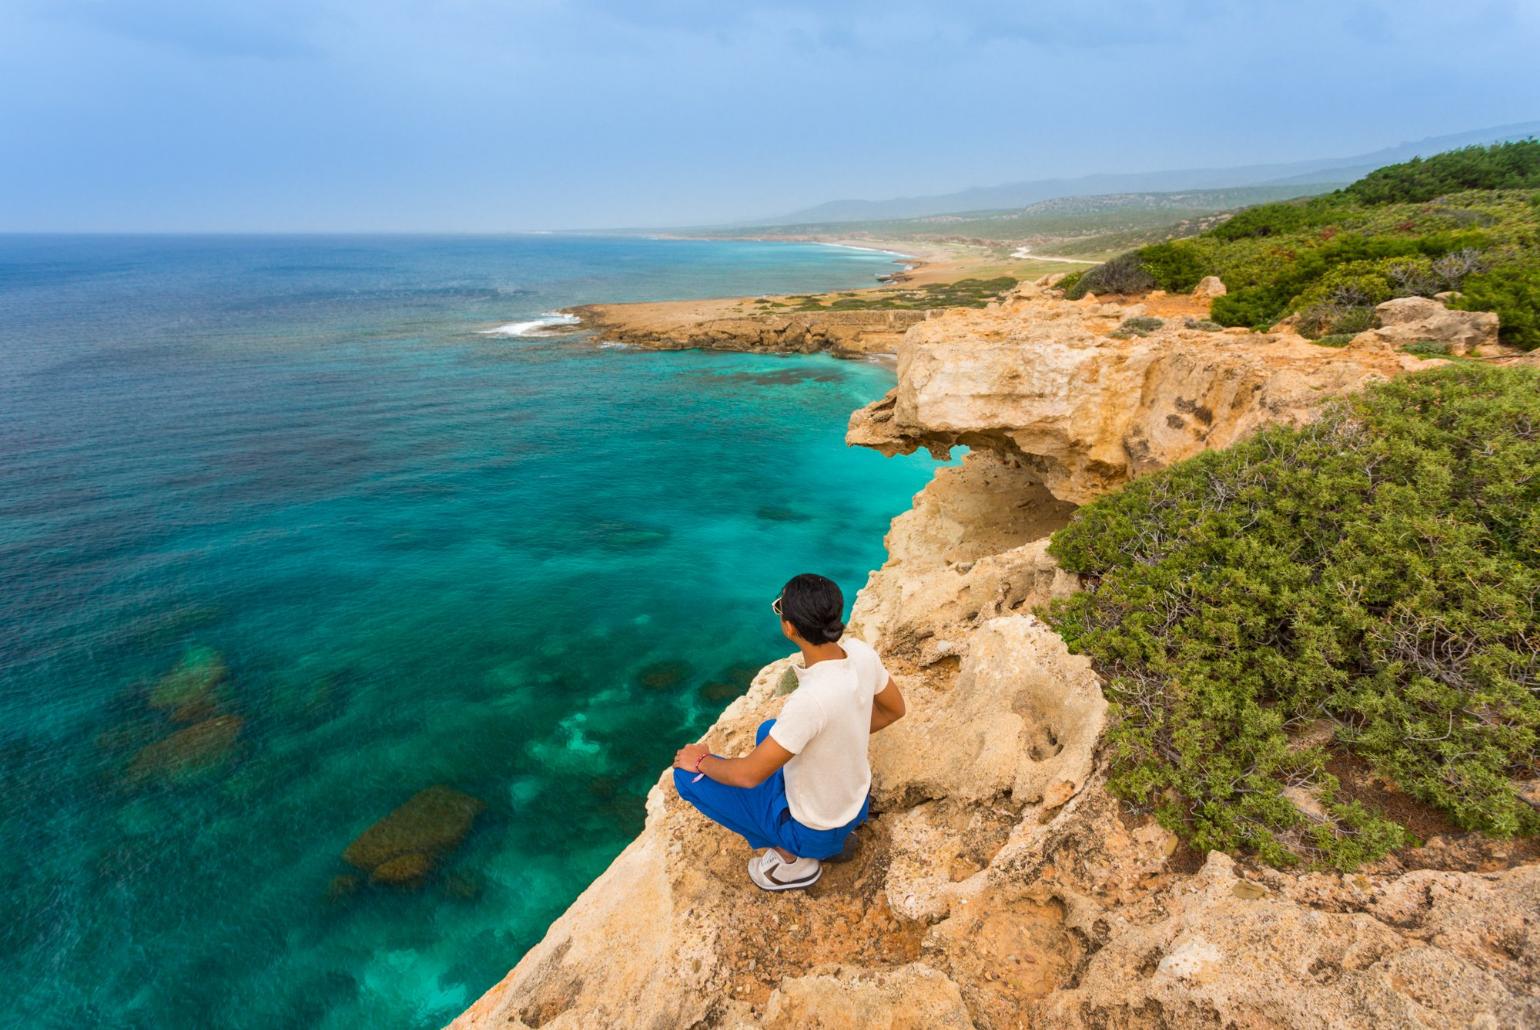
(826, 724)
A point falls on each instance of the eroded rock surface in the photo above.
(1426, 322)
(1043, 380)
(1210, 286)
(998, 883)
(675, 934)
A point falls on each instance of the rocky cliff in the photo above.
(997, 883)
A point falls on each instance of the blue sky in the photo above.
(475, 115)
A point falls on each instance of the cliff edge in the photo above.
(997, 883)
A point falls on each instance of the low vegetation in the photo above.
(1142, 325)
(964, 293)
(1467, 221)
(1359, 594)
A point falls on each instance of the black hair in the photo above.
(813, 604)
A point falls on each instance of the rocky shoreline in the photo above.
(859, 323)
(998, 884)
(669, 326)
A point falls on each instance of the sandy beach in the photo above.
(926, 278)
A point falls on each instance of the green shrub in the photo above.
(1334, 319)
(1140, 325)
(1255, 307)
(1376, 569)
(1511, 289)
(1068, 282)
(1202, 324)
(1295, 256)
(1500, 166)
(1284, 217)
(1176, 266)
(1123, 274)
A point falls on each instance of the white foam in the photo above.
(533, 326)
(868, 250)
(613, 345)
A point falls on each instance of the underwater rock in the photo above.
(429, 824)
(774, 513)
(664, 674)
(130, 735)
(407, 870)
(720, 691)
(341, 886)
(463, 886)
(731, 682)
(625, 536)
(188, 692)
(197, 748)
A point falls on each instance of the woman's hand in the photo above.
(690, 755)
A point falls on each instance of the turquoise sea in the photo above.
(412, 549)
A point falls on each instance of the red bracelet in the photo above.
(701, 759)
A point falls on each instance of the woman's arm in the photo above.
(887, 706)
(751, 770)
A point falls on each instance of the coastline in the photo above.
(852, 323)
(999, 882)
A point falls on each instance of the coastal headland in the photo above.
(1219, 646)
(999, 882)
(928, 278)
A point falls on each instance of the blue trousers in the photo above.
(760, 814)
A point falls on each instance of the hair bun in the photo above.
(834, 629)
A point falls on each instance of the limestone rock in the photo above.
(935, 851)
(1006, 948)
(1424, 320)
(912, 997)
(1210, 286)
(1422, 956)
(721, 326)
(1023, 714)
(1043, 383)
(972, 548)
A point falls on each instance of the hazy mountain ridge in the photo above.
(1082, 225)
(1334, 171)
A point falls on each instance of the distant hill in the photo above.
(1464, 221)
(1079, 225)
(1322, 173)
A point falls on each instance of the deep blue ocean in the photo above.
(412, 550)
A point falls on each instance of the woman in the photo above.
(804, 787)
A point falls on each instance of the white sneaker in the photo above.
(771, 872)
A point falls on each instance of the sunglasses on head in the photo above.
(775, 606)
